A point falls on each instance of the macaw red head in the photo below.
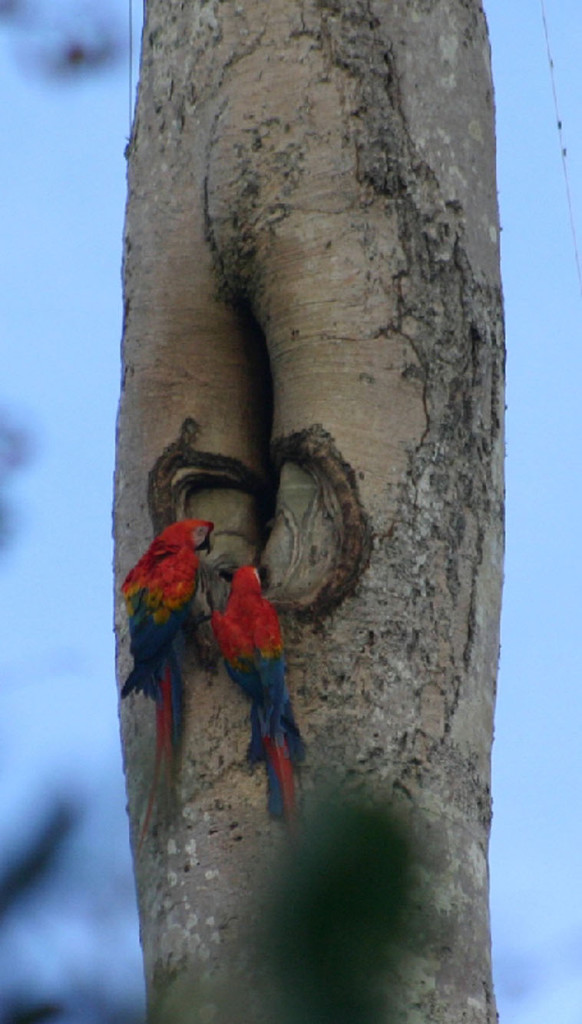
(189, 531)
(246, 580)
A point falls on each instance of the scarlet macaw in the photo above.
(158, 593)
(249, 637)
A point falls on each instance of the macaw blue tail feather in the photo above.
(143, 678)
(256, 751)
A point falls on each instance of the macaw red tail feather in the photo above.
(282, 786)
(164, 744)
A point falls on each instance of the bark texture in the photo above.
(313, 358)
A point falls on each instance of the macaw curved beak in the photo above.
(201, 536)
(205, 544)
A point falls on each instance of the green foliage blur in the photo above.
(336, 927)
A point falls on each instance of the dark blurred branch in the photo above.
(74, 39)
(14, 452)
(31, 865)
(32, 1015)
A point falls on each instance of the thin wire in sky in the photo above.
(563, 150)
(130, 64)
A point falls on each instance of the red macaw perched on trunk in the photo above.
(249, 636)
(158, 592)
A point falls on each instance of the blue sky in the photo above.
(536, 881)
(62, 182)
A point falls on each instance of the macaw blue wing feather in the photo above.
(150, 644)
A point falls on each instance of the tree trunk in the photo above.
(313, 358)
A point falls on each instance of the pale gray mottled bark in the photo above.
(318, 176)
